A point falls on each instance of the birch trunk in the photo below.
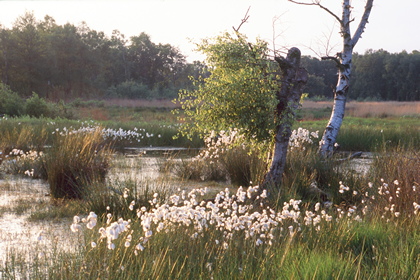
(344, 63)
(294, 79)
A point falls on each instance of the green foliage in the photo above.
(79, 103)
(37, 107)
(131, 90)
(376, 75)
(382, 75)
(68, 61)
(239, 93)
(10, 102)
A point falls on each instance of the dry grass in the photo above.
(145, 103)
(99, 114)
(371, 109)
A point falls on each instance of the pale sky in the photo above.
(393, 24)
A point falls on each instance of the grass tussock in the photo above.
(74, 161)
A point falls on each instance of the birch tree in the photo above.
(343, 60)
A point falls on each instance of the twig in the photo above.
(245, 19)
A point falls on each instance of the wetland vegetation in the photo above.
(187, 216)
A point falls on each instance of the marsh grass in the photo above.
(397, 173)
(226, 157)
(343, 248)
(75, 160)
(359, 236)
(56, 210)
(20, 135)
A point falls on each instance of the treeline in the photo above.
(376, 75)
(67, 61)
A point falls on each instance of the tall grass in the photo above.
(30, 133)
(397, 171)
(18, 134)
(226, 158)
(74, 161)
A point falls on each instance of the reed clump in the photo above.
(76, 160)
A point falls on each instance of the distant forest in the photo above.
(64, 62)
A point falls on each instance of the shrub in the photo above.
(129, 89)
(10, 102)
(37, 107)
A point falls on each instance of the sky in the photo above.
(392, 26)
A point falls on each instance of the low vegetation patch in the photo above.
(328, 222)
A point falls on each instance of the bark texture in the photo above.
(294, 78)
(344, 63)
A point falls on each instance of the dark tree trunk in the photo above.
(294, 78)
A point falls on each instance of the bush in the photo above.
(37, 107)
(10, 102)
(79, 103)
(129, 89)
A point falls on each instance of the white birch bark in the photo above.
(344, 63)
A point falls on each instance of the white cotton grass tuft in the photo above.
(228, 214)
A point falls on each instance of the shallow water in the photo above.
(17, 234)
(20, 235)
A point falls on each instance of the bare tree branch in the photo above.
(318, 3)
(336, 59)
(363, 22)
(244, 20)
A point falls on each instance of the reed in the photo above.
(74, 161)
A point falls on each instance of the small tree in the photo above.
(249, 91)
(344, 62)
